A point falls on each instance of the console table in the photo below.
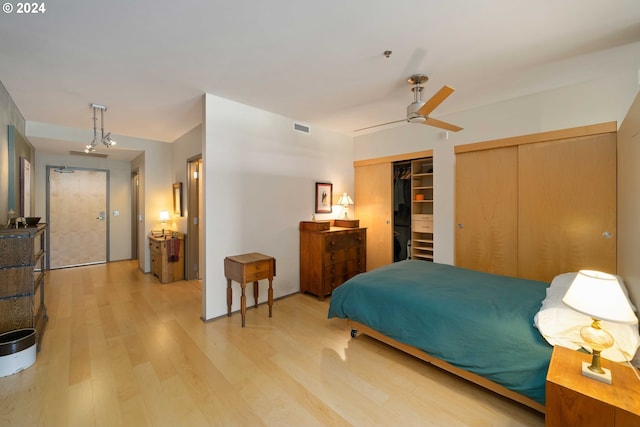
(246, 268)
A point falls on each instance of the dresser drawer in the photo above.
(422, 217)
(16, 252)
(345, 240)
(334, 275)
(16, 313)
(335, 256)
(154, 246)
(335, 242)
(16, 281)
(356, 265)
(258, 271)
(422, 226)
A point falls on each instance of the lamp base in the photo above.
(605, 378)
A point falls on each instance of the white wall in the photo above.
(603, 99)
(184, 148)
(259, 183)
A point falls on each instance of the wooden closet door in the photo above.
(567, 206)
(486, 210)
(374, 209)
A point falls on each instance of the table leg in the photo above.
(255, 293)
(243, 304)
(270, 294)
(229, 298)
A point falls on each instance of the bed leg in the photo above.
(354, 333)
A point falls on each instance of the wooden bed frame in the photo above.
(357, 327)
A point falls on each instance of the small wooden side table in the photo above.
(246, 268)
(575, 400)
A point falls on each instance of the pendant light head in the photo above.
(108, 141)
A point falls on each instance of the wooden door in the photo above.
(78, 217)
(486, 204)
(567, 206)
(374, 209)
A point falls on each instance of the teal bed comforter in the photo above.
(480, 322)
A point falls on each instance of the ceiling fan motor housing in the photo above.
(412, 112)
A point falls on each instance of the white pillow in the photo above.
(560, 325)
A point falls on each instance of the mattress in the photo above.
(479, 322)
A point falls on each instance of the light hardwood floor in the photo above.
(121, 349)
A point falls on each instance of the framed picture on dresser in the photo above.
(324, 197)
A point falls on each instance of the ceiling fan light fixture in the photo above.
(416, 118)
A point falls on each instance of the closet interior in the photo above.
(401, 211)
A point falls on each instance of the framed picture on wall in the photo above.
(177, 199)
(324, 197)
(25, 187)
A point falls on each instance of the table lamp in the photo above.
(345, 201)
(600, 296)
(164, 217)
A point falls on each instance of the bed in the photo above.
(493, 330)
(476, 325)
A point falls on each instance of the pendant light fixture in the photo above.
(105, 139)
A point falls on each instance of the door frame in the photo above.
(135, 213)
(194, 212)
(48, 206)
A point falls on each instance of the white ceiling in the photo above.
(318, 62)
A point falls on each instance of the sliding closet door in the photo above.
(567, 206)
(486, 210)
(374, 209)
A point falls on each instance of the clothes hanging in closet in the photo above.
(401, 189)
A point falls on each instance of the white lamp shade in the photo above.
(164, 216)
(345, 200)
(600, 296)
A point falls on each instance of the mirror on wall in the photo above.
(21, 173)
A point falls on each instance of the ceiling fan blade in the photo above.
(381, 124)
(442, 125)
(435, 100)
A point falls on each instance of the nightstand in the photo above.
(167, 257)
(575, 400)
(247, 268)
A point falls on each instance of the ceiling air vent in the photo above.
(301, 128)
(82, 153)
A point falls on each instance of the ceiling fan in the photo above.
(418, 111)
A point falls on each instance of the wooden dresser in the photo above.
(167, 257)
(22, 273)
(330, 253)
